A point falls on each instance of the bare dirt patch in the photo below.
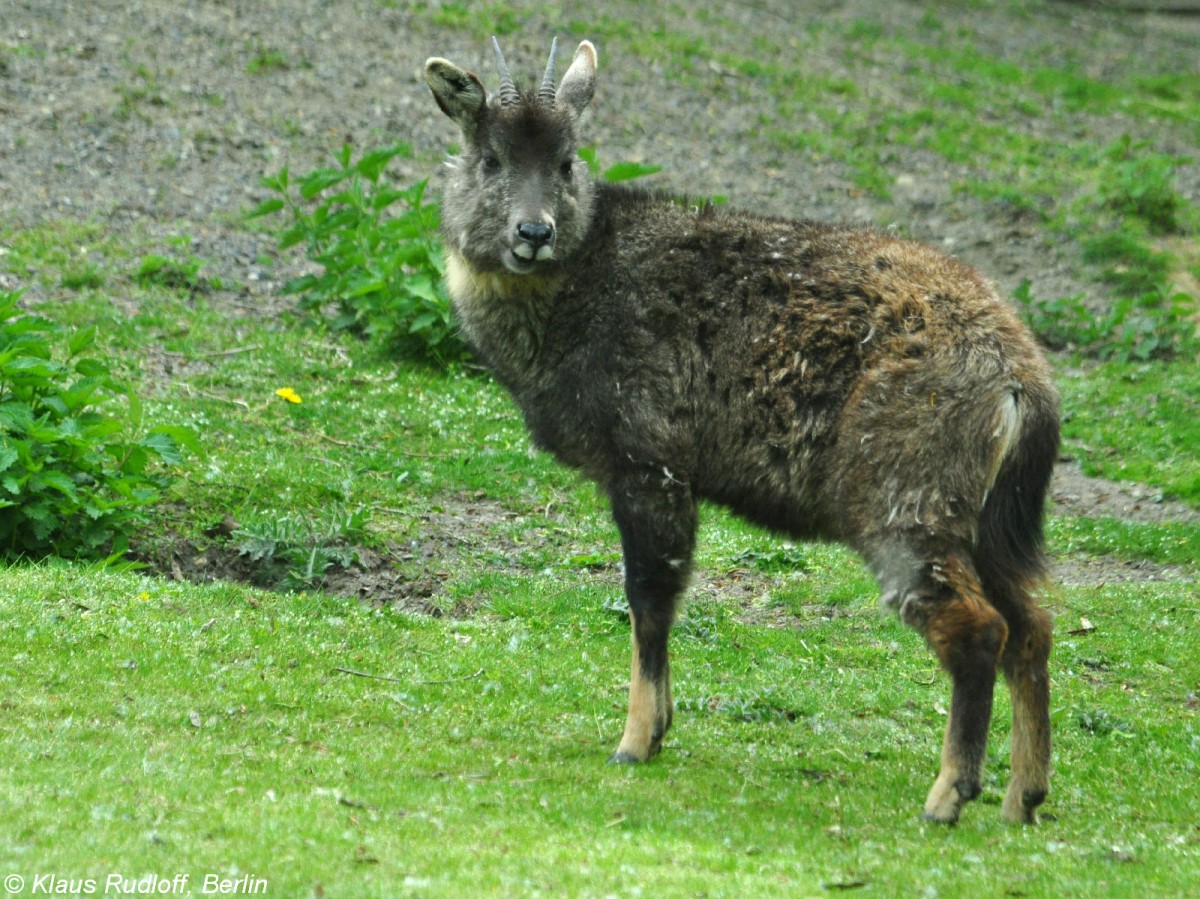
(1074, 493)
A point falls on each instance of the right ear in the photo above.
(579, 83)
(459, 93)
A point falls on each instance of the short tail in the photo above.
(1011, 557)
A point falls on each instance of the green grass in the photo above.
(1136, 422)
(218, 736)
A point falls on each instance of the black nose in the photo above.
(536, 234)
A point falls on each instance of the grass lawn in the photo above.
(157, 727)
(153, 726)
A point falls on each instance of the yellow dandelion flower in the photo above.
(288, 394)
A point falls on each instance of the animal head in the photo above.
(519, 198)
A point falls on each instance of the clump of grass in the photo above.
(84, 277)
(266, 59)
(1140, 183)
(749, 707)
(483, 20)
(1126, 262)
(145, 89)
(175, 272)
(1101, 723)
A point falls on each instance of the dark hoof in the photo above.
(934, 819)
(1031, 799)
(623, 758)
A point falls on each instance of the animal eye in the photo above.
(491, 163)
(565, 168)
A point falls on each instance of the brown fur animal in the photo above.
(827, 382)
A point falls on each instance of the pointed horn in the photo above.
(508, 90)
(546, 91)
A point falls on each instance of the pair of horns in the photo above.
(508, 90)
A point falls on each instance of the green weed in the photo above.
(1133, 328)
(71, 482)
(1126, 262)
(144, 89)
(302, 548)
(1140, 183)
(780, 557)
(377, 247)
(85, 277)
(622, 171)
(174, 273)
(266, 59)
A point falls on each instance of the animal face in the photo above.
(518, 199)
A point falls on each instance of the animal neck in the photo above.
(504, 315)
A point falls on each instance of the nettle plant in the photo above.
(77, 467)
(376, 244)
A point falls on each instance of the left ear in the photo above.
(579, 84)
(459, 93)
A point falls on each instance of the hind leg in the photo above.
(945, 602)
(1024, 663)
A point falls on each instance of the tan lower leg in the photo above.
(1025, 669)
(649, 713)
(944, 801)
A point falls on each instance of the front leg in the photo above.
(656, 515)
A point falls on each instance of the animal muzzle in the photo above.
(534, 241)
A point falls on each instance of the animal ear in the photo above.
(459, 93)
(579, 83)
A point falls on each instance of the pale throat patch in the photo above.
(468, 285)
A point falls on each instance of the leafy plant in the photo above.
(784, 557)
(381, 264)
(628, 171)
(752, 707)
(622, 171)
(1102, 723)
(70, 484)
(1150, 325)
(304, 549)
